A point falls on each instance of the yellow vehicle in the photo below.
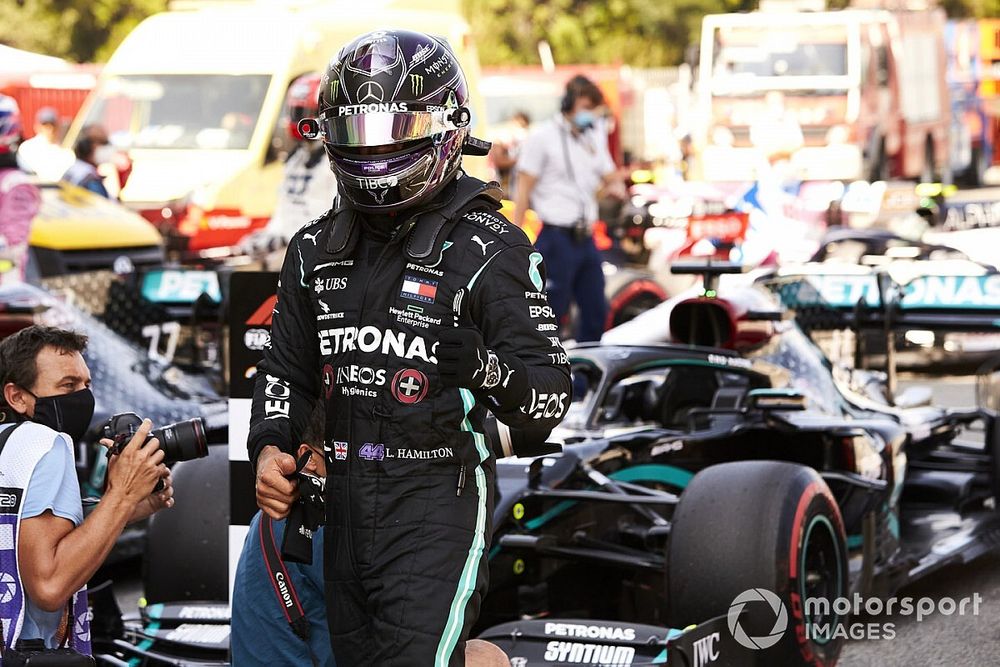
(76, 230)
(195, 95)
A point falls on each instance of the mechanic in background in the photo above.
(92, 149)
(308, 185)
(564, 164)
(42, 154)
(19, 198)
(48, 551)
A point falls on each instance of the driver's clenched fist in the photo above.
(275, 492)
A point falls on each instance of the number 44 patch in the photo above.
(372, 452)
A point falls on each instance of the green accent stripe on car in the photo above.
(649, 472)
(654, 472)
(154, 611)
(467, 581)
(549, 514)
(810, 621)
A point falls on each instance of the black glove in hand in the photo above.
(465, 361)
(463, 358)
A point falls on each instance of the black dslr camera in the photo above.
(306, 515)
(182, 441)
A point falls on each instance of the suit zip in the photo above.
(350, 399)
(461, 479)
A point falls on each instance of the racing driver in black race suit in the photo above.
(412, 308)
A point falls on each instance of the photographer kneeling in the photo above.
(48, 551)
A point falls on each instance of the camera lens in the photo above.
(182, 441)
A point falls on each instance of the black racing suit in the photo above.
(410, 476)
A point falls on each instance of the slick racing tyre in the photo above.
(762, 542)
(187, 547)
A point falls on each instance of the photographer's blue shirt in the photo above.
(53, 487)
(260, 634)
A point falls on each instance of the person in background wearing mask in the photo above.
(19, 197)
(308, 185)
(563, 166)
(42, 154)
(92, 150)
(48, 551)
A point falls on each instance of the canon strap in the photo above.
(288, 599)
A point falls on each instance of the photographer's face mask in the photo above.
(66, 413)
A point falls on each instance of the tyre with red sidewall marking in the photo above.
(632, 299)
(766, 525)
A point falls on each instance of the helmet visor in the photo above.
(353, 125)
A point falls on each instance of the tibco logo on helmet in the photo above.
(421, 146)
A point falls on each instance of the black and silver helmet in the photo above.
(394, 116)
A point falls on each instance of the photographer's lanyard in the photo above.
(63, 634)
(288, 599)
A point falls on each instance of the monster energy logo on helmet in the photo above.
(417, 84)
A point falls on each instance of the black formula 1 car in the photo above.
(737, 459)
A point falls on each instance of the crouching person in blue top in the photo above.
(48, 550)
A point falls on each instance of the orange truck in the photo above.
(861, 92)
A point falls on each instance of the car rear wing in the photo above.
(874, 301)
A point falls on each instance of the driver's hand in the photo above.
(275, 492)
